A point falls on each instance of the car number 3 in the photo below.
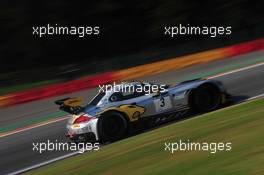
(163, 103)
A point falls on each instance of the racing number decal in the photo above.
(162, 104)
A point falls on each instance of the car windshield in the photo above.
(97, 98)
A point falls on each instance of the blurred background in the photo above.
(131, 33)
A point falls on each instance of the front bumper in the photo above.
(70, 135)
(87, 137)
(87, 130)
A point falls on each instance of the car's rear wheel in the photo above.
(112, 126)
(205, 98)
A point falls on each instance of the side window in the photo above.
(127, 95)
(138, 94)
(130, 95)
(117, 96)
(97, 99)
(151, 88)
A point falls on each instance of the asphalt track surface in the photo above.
(16, 150)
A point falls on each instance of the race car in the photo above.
(112, 113)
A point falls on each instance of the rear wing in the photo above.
(70, 105)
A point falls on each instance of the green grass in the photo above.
(243, 125)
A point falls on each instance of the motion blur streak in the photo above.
(33, 126)
(243, 85)
(56, 90)
(66, 117)
(131, 73)
(189, 60)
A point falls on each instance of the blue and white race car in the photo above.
(112, 113)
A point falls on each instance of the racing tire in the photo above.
(112, 126)
(205, 98)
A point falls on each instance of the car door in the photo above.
(163, 103)
(140, 99)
